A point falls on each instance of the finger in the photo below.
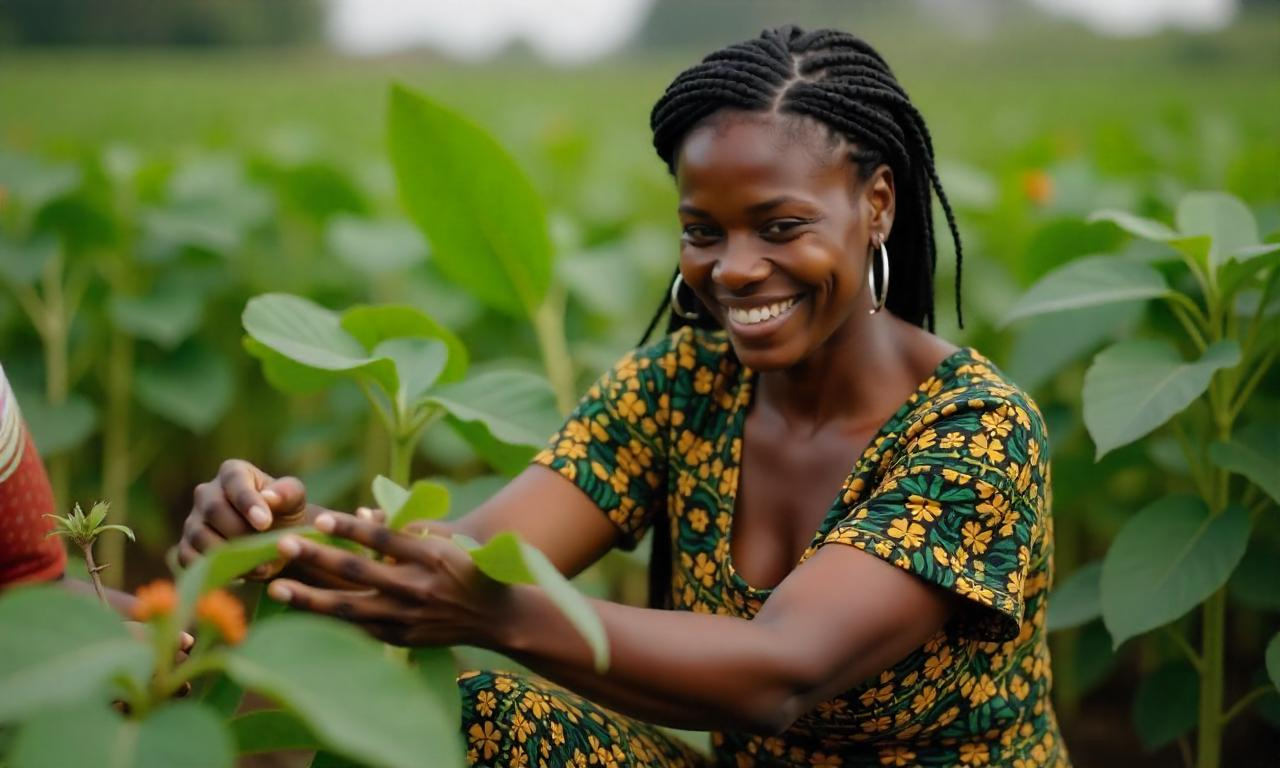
(220, 516)
(352, 568)
(287, 499)
(187, 554)
(201, 537)
(374, 536)
(424, 528)
(372, 514)
(186, 641)
(242, 484)
(366, 606)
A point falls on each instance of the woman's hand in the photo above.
(241, 500)
(428, 592)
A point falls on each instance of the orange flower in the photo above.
(1037, 186)
(225, 613)
(155, 599)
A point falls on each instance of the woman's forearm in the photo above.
(673, 668)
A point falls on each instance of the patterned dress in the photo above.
(953, 488)
(25, 497)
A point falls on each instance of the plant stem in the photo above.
(1185, 647)
(1209, 741)
(548, 324)
(1190, 316)
(1245, 702)
(93, 573)
(401, 460)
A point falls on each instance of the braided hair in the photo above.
(842, 83)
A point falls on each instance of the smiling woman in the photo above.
(852, 540)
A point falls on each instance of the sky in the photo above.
(575, 32)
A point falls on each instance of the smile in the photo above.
(760, 315)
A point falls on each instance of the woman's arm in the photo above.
(839, 619)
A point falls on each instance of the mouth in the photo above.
(758, 321)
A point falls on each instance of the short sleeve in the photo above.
(614, 444)
(960, 506)
(26, 553)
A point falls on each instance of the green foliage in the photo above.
(1168, 558)
(1165, 705)
(424, 500)
(1077, 599)
(485, 222)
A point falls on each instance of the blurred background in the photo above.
(190, 154)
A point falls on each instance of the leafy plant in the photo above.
(1218, 281)
(82, 531)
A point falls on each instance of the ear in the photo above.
(879, 200)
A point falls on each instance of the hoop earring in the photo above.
(675, 300)
(881, 296)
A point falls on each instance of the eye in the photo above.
(699, 233)
(780, 228)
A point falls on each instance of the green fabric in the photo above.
(953, 488)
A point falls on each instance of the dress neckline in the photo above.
(742, 405)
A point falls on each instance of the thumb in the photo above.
(288, 500)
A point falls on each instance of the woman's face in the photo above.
(776, 232)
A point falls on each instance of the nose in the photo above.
(740, 265)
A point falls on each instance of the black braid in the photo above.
(842, 82)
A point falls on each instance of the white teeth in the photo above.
(760, 314)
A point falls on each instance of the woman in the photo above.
(853, 538)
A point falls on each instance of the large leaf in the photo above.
(372, 325)
(59, 428)
(513, 406)
(312, 336)
(1089, 282)
(1223, 218)
(419, 363)
(271, 730)
(1045, 344)
(192, 387)
(375, 246)
(58, 649)
(344, 689)
(438, 668)
(165, 318)
(182, 734)
(1255, 453)
(486, 224)
(287, 375)
(507, 559)
(1166, 560)
(1166, 704)
(34, 182)
(1137, 385)
(1077, 600)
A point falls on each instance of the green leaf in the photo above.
(425, 500)
(1273, 660)
(97, 514)
(1166, 704)
(232, 560)
(1147, 229)
(183, 733)
(513, 407)
(193, 387)
(59, 428)
(507, 559)
(375, 247)
(70, 649)
(270, 730)
(34, 182)
(486, 224)
(1223, 218)
(1255, 453)
(419, 363)
(373, 325)
(165, 318)
(312, 336)
(1252, 584)
(1045, 344)
(438, 669)
(1089, 282)
(344, 689)
(1166, 560)
(1136, 385)
(119, 529)
(24, 263)
(288, 376)
(1077, 600)
(1244, 264)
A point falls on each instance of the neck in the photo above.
(856, 377)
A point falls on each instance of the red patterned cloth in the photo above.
(25, 497)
